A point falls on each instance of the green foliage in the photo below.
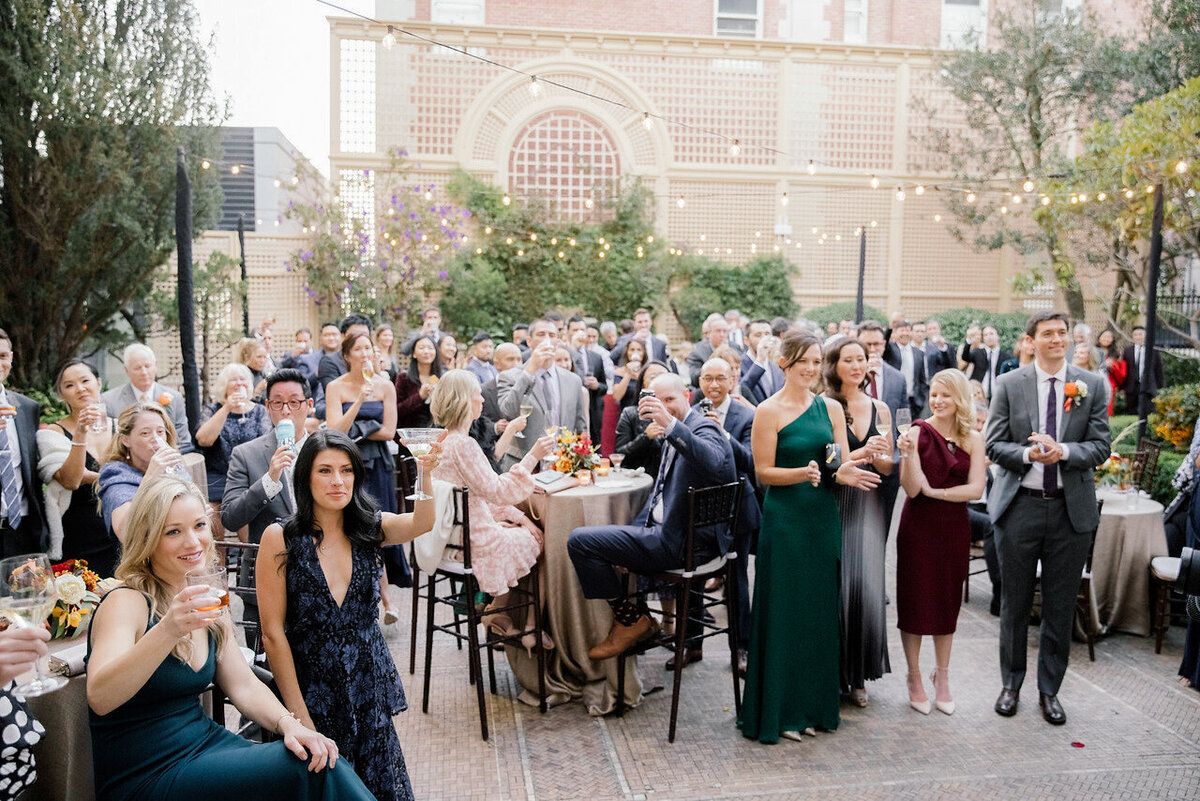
(521, 260)
(1180, 369)
(53, 407)
(955, 322)
(375, 260)
(1174, 417)
(759, 288)
(97, 97)
(843, 310)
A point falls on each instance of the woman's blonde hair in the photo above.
(245, 348)
(118, 451)
(228, 372)
(450, 403)
(144, 530)
(964, 405)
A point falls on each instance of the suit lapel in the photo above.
(1031, 398)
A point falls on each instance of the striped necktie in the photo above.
(10, 492)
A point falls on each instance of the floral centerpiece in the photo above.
(77, 598)
(574, 452)
(1116, 472)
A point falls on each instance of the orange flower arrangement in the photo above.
(77, 597)
(1071, 391)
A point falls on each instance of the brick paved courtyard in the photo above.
(1139, 730)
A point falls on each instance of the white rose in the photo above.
(70, 588)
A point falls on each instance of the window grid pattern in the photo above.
(358, 101)
(845, 116)
(924, 156)
(357, 193)
(829, 264)
(567, 158)
(722, 218)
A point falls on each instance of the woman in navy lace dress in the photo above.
(318, 594)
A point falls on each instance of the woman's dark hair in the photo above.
(794, 345)
(348, 343)
(436, 369)
(360, 518)
(833, 382)
(69, 364)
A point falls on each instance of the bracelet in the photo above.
(279, 720)
(78, 444)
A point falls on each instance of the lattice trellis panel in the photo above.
(721, 218)
(566, 157)
(847, 111)
(925, 96)
(358, 97)
(828, 256)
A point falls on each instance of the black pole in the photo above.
(1145, 380)
(245, 285)
(184, 296)
(862, 274)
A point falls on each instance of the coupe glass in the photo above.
(419, 442)
(616, 459)
(27, 594)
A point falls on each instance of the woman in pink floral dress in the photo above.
(505, 543)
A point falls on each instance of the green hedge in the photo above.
(759, 288)
(843, 310)
(955, 322)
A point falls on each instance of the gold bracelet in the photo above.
(279, 720)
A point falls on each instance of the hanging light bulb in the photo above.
(838, 237)
(1016, 199)
(478, 251)
(1074, 199)
(600, 240)
(1101, 196)
(703, 237)
(235, 169)
(735, 148)
(647, 120)
(874, 223)
(1004, 209)
(535, 88)
(389, 39)
(554, 240)
(1129, 194)
(783, 201)
(295, 180)
(562, 255)
(588, 203)
(429, 194)
(1045, 200)
(1028, 185)
(900, 193)
(508, 240)
(533, 237)
(278, 183)
(970, 197)
(205, 164)
(920, 190)
(650, 239)
(1181, 167)
(520, 252)
(681, 202)
(874, 182)
(1150, 189)
(937, 218)
(487, 229)
(812, 167)
(506, 200)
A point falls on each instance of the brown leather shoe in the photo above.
(621, 638)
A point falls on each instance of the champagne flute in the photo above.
(419, 442)
(27, 594)
(368, 368)
(526, 410)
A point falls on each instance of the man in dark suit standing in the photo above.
(715, 331)
(986, 361)
(696, 454)
(761, 374)
(22, 514)
(927, 336)
(1047, 431)
(885, 383)
(736, 420)
(903, 355)
(1139, 372)
(656, 346)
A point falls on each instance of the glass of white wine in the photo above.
(526, 410)
(368, 368)
(27, 594)
(903, 421)
(419, 442)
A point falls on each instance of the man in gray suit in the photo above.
(141, 365)
(22, 511)
(258, 488)
(556, 394)
(1047, 432)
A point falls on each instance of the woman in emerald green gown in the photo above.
(792, 676)
(155, 645)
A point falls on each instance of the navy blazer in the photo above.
(738, 423)
(920, 396)
(703, 458)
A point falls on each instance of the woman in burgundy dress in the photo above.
(942, 468)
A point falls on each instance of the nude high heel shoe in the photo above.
(922, 705)
(946, 707)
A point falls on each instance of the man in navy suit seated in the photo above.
(696, 454)
(736, 418)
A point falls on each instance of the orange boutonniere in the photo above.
(164, 399)
(1071, 391)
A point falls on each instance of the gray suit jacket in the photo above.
(1084, 430)
(245, 501)
(515, 384)
(118, 399)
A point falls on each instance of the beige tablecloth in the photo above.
(1126, 541)
(64, 756)
(575, 622)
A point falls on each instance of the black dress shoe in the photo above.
(1052, 710)
(688, 658)
(1006, 704)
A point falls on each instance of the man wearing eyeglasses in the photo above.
(258, 489)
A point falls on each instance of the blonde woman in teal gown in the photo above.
(792, 677)
(155, 644)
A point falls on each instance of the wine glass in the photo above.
(27, 594)
(526, 410)
(368, 369)
(903, 421)
(419, 442)
(616, 459)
